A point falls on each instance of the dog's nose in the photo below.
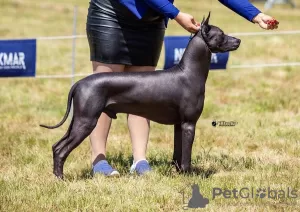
(238, 42)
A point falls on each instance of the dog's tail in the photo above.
(70, 97)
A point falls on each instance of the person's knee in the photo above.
(137, 119)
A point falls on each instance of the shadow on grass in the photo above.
(204, 165)
(203, 173)
(160, 163)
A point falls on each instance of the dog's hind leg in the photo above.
(85, 116)
(177, 146)
(79, 130)
(60, 144)
(64, 139)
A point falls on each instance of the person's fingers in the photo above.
(263, 25)
(193, 27)
(193, 21)
(197, 24)
(192, 30)
(196, 28)
(188, 22)
(270, 26)
(266, 22)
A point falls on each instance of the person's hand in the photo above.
(187, 22)
(263, 19)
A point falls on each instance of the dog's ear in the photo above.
(204, 25)
(207, 19)
(202, 22)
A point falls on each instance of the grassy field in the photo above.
(261, 151)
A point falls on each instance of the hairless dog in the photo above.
(173, 97)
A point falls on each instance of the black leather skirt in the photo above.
(117, 36)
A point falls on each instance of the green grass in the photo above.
(262, 150)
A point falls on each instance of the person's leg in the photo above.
(99, 135)
(139, 130)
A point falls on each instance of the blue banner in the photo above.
(17, 58)
(175, 47)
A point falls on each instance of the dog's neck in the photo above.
(196, 59)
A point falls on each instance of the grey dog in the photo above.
(173, 97)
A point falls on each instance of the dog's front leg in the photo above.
(188, 134)
(177, 146)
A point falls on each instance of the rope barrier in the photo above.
(243, 66)
(288, 32)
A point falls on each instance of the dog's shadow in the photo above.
(160, 164)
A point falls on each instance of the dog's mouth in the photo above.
(238, 42)
(235, 43)
(230, 44)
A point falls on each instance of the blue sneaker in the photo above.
(103, 167)
(141, 167)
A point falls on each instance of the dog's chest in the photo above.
(192, 108)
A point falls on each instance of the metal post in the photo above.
(74, 45)
(73, 53)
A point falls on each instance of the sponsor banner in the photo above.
(175, 47)
(17, 58)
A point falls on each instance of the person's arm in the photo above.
(242, 7)
(164, 7)
(247, 10)
(167, 8)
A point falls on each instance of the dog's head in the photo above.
(215, 38)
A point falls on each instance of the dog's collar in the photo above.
(204, 40)
(191, 37)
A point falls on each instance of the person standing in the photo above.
(127, 36)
